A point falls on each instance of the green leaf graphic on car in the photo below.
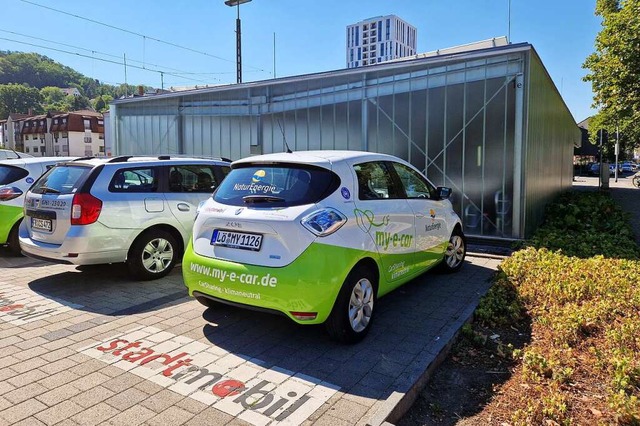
(365, 219)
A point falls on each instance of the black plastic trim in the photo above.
(239, 305)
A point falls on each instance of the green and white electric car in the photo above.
(318, 236)
(16, 176)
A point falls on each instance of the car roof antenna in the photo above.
(284, 138)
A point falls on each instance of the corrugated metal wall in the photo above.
(460, 119)
(549, 138)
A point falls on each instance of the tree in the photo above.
(101, 103)
(615, 71)
(54, 99)
(19, 98)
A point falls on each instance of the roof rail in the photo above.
(84, 158)
(120, 159)
(164, 157)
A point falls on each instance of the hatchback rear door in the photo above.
(48, 203)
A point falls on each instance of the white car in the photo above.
(9, 154)
(16, 176)
(137, 210)
(318, 236)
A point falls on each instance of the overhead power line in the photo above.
(104, 60)
(92, 51)
(144, 37)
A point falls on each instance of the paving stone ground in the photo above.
(63, 358)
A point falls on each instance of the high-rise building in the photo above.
(379, 39)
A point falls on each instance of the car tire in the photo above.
(152, 255)
(13, 240)
(353, 312)
(455, 253)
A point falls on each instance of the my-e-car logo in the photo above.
(239, 386)
(19, 305)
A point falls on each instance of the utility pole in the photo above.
(237, 3)
(617, 150)
(126, 87)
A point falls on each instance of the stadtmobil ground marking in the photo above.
(237, 385)
(19, 305)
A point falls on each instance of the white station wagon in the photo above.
(318, 236)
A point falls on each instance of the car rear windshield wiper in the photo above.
(48, 190)
(262, 199)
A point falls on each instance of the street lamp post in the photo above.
(237, 4)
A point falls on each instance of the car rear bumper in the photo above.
(310, 284)
(78, 248)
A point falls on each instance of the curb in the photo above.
(398, 403)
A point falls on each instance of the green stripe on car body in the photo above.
(9, 215)
(309, 284)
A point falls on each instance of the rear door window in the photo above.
(63, 179)
(141, 179)
(276, 185)
(375, 182)
(10, 174)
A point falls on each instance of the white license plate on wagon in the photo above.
(41, 224)
(239, 240)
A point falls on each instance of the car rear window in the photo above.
(280, 185)
(62, 179)
(10, 174)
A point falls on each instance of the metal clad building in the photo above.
(489, 123)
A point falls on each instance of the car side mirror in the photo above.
(443, 192)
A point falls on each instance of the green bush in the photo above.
(584, 225)
(578, 281)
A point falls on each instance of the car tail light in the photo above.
(324, 222)
(85, 209)
(9, 193)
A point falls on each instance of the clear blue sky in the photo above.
(310, 36)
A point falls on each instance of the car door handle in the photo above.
(183, 207)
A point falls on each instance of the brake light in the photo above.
(9, 193)
(85, 209)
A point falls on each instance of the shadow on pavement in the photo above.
(109, 290)
(411, 326)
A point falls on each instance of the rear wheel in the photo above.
(455, 253)
(152, 255)
(13, 241)
(352, 313)
(636, 181)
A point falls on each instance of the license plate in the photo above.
(240, 240)
(41, 224)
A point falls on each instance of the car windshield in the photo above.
(63, 179)
(279, 185)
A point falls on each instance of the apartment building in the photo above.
(77, 133)
(10, 130)
(379, 39)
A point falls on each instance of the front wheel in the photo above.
(352, 313)
(152, 255)
(636, 181)
(455, 253)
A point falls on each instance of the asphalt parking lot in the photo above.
(93, 347)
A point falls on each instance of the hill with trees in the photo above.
(33, 81)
